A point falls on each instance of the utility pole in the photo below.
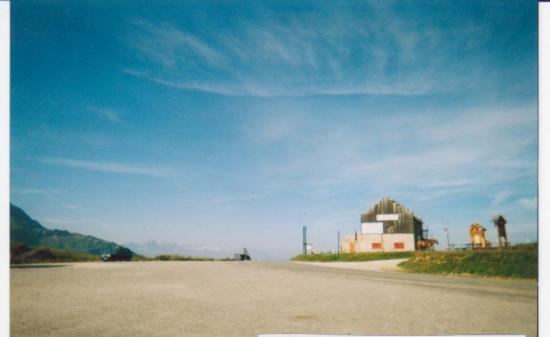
(338, 242)
(448, 235)
(304, 239)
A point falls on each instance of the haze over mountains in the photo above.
(27, 231)
(30, 232)
(154, 248)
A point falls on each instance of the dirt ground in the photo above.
(248, 298)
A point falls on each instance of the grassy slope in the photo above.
(331, 257)
(48, 255)
(517, 262)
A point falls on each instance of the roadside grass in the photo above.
(21, 254)
(520, 261)
(168, 257)
(171, 257)
(334, 257)
(51, 255)
(514, 262)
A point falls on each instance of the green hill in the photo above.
(25, 230)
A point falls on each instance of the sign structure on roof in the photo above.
(372, 227)
(387, 217)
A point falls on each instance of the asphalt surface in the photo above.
(376, 265)
(250, 298)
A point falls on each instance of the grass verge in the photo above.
(173, 257)
(333, 257)
(514, 262)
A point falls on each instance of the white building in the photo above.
(386, 227)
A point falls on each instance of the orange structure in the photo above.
(477, 236)
(426, 244)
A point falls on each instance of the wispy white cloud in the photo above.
(272, 128)
(71, 207)
(108, 113)
(529, 203)
(215, 88)
(335, 54)
(168, 45)
(501, 196)
(236, 198)
(252, 88)
(273, 59)
(450, 183)
(112, 167)
(425, 197)
(37, 191)
(472, 151)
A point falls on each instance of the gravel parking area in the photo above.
(250, 298)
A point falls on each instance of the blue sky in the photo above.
(229, 124)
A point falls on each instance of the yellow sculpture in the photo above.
(477, 236)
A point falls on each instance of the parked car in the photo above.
(121, 254)
(244, 256)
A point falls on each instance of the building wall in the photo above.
(347, 244)
(369, 243)
(391, 239)
(377, 243)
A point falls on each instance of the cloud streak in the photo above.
(287, 55)
(472, 150)
(293, 58)
(166, 44)
(37, 191)
(109, 114)
(529, 203)
(500, 197)
(251, 88)
(110, 167)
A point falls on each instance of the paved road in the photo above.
(376, 265)
(248, 298)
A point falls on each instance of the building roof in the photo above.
(383, 205)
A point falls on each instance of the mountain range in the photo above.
(154, 248)
(27, 231)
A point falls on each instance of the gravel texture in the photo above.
(243, 299)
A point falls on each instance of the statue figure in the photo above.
(500, 224)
